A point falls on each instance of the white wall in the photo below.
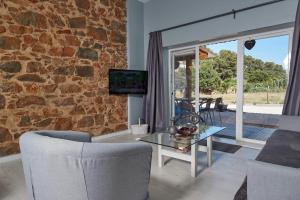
(159, 14)
(135, 51)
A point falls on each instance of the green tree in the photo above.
(225, 64)
(209, 79)
(218, 73)
(228, 84)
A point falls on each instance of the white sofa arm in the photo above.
(290, 123)
(267, 181)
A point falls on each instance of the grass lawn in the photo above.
(251, 98)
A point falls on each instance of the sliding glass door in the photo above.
(265, 71)
(247, 75)
(203, 80)
(218, 82)
(183, 81)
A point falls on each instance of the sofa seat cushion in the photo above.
(282, 148)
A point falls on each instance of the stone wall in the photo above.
(54, 61)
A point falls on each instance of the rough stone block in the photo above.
(84, 71)
(77, 22)
(32, 18)
(5, 135)
(70, 88)
(84, 4)
(87, 53)
(11, 67)
(2, 102)
(86, 121)
(97, 33)
(63, 124)
(30, 100)
(31, 78)
(9, 43)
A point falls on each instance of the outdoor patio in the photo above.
(256, 125)
(259, 121)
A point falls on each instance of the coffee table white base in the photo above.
(192, 157)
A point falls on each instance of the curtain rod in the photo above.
(232, 12)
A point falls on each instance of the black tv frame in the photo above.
(111, 92)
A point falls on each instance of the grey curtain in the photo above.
(154, 107)
(292, 99)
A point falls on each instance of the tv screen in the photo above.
(127, 81)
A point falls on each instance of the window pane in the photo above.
(184, 81)
(218, 82)
(265, 82)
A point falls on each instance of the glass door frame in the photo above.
(240, 73)
(240, 76)
(171, 56)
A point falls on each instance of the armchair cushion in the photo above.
(282, 148)
(268, 181)
(290, 123)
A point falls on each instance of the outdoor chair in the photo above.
(219, 107)
(183, 107)
(192, 118)
(206, 110)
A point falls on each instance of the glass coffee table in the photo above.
(179, 148)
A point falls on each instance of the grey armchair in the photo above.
(276, 175)
(65, 165)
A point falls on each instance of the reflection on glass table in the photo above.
(184, 144)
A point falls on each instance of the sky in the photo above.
(274, 49)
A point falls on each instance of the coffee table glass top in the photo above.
(180, 143)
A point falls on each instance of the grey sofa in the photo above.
(275, 174)
(65, 165)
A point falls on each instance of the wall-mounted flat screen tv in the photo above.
(127, 81)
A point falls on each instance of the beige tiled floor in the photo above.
(172, 182)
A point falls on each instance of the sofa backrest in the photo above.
(291, 123)
(65, 165)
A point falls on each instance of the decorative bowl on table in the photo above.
(184, 134)
(183, 137)
(186, 131)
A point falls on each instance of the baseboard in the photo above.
(114, 134)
